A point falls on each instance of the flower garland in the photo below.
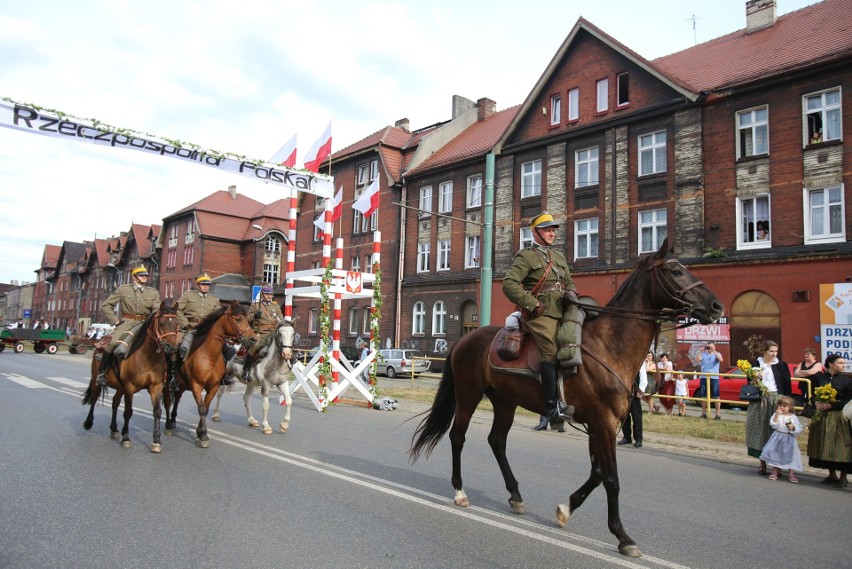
(824, 394)
(325, 336)
(753, 375)
(375, 330)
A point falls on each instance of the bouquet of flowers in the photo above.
(752, 374)
(824, 394)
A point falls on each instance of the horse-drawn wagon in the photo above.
(42, 340)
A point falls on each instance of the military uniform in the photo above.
(193, 306)
(527, 269)
(264, 317)
(135, 304)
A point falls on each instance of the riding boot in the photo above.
(106, 360)
(556, 409)
(170, 373)
(542, 424)
(247, 367)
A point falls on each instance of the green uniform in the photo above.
(134, 303)
(193, 306)
(527, 268)
(263, 317)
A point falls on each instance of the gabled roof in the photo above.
(474, 142)
(140, 235)
(50, 256)
(222, 202)
(815, 34)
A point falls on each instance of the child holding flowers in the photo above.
(782, 449)
(772, 376)
(829, 437)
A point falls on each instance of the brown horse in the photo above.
(659, 289)
(144, 367)
(204, 366)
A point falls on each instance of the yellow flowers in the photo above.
(752, 374)
(824, 394)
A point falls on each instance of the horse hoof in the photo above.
(87, 424)
(168, 432)
(631, 550)
(283, 428)
(114, 435)
(563, 514)
(215, 418)
(126, 444)
(201, 443)
(254, 424)
(267, 431)
(517, 507)
(461, 499)
(156, 448)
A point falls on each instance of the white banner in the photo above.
(27, 118)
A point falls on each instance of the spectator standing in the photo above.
(775, 377)
(809, 367)
(665, 382)
(651, 372)
(631, 428)
(710, 360)
(829, 437)
(782, 449)
(681, 391)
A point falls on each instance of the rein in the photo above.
(282, 346)
(155, 334)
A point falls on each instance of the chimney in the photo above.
(485, 108)
(233, 191)
(403, 124)
(760, 14)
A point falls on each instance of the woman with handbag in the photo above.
(774, 376)
(829, 437)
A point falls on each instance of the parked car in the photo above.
(399, 362)
(729, 387)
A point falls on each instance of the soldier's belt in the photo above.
(134, 317)
(549, 288)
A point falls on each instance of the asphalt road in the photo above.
(338, 491)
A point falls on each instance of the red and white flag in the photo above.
(336, 212)
(287, 155)
(368, 202)
(319, 151)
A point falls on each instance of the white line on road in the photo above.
(25, 381)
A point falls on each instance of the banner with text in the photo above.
(718, 332)
(836, 319)
(28, 118)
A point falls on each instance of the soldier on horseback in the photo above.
(192, 307)
(537, 281)
(135, 301)
(264, 315)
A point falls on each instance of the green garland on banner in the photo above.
(375, 329)
(325, 335)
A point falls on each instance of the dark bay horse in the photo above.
(272, 369)
(144, 367)
(614, 345)
(204, 366)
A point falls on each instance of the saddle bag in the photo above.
(509, 342)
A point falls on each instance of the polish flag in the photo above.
(319, 151)
(287, 155)
(336, 212)
(369, 200)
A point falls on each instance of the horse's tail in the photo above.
(92, 393)
(436, 424)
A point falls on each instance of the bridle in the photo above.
(241, 332)
(159, 337)
(281, 345)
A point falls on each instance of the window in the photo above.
(418, 318)
(445, 197)
(753, 132)
(603, 95)
(652, 230)
(652, 153)
(367, 319)
(444, 255)
(374, 169)
(823, 116)
(474, 191)
(188, 254)
(439, 318)
(368, 263)
(623, 88)
(425, 201)
(586, 170)
(271, 273)
(471, 251)
(355, 264)
(190, 231)
(317, 232)
(526, 237)
(586, 238)
(273, 244)
(422, 257)
(753, 228)
(173, 236)
(353, 320)
(555, 110)
(531, 179)
(361, 178)
(574, 104)
(313, 322)
(824, 215)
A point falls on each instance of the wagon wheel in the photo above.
(72, 349)
(82, 348)
(52, 348)
(38, 347)
(19, 347)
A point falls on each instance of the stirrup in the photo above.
(561, 412)
(101, 380)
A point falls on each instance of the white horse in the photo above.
(272, 368)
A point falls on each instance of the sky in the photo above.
(243, 77)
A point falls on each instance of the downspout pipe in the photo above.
(487, 274)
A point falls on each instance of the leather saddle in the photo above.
(527, 361)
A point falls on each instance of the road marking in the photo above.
(555, 537)
(25, 381)
(68, 382)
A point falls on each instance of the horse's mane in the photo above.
(205, 325)
(629, 284)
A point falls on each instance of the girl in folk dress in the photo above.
(782, 449)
